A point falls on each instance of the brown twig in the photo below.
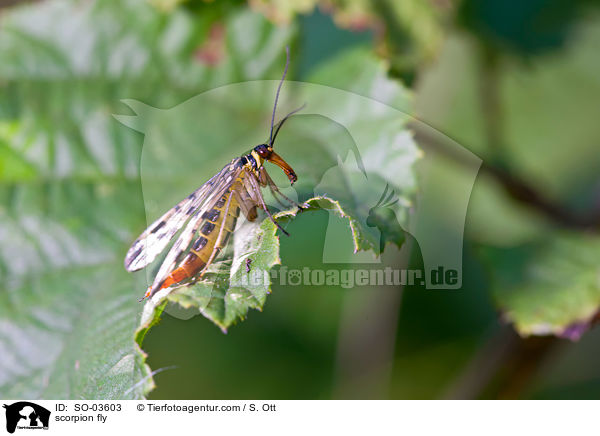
(517, 188)
(496, 163)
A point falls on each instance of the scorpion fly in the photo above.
(209, 214)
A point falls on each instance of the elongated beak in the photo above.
(289, 172)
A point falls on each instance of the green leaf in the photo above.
(242, 280)
(551, 287)
(66, 305)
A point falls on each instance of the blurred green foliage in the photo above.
(514, 82)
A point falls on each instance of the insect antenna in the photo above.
(287, 62)
(279, 124)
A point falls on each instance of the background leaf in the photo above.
(549, 288)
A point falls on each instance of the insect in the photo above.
(248, 263)
(209, 214)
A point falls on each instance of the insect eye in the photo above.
(263, 151)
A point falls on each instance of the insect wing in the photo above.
(222, 183)
(157, 236)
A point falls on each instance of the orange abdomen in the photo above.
(202, 249)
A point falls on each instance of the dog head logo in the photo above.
(26, 415)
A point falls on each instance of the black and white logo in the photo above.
(26, 415)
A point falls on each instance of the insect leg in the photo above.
(246, 202)
(266, 180)
(255, 190)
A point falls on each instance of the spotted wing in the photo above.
(158, 235)
(182, 244)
